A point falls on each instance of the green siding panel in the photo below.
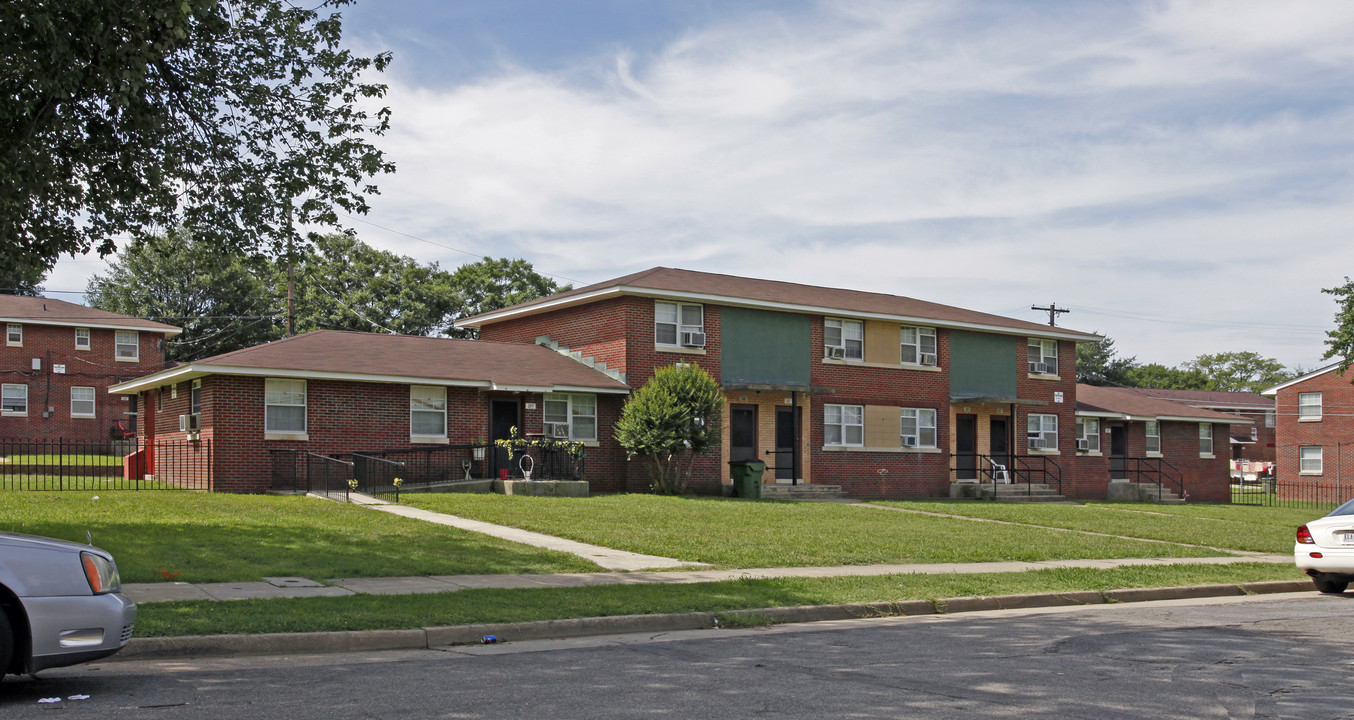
(982, 365)
(763, 348)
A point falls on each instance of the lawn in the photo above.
(61, 459)
(1256, 529)
(373, 612)
(202, 537)
(741, 534)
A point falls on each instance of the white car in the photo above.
(1325, 549)
(60, 604)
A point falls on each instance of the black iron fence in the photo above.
(1267, 491)
(304, 471)
(128, 464)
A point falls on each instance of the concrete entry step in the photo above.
(1020, 493)
(803, 492)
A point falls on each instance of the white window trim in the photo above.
(1310, 416)
(10, 330)
(93, 408)
(414, 411)
(842, 324)
(1320, 460)
(919, 415)
(1043, 434)
(569, 400)
(680, 327)
(922, 334)
(118, 343)
(1205, 432)
(270, 434)
(15, 413)
(1044, 357)
(1148, 435)
(195, 396)
(1088, 429)
(88, 336)
(843, 425)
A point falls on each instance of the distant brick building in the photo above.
(58, 361)
(1314, 435)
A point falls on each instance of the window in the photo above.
(572, 415)
(919, 346)
(1043, 357)
(1255, 434)
(1309, 406)
(919, 427)
(1309, 460)
(81, 338)
(1088, 435)
(127, 346)
(284, 406)
(678, 324)
(195, 398)
(427, 411)
(844, 339)
(14, 400)
(844, 425)
(1205, 439)
(82, 402)
(1269, 418)
(1043, 432)
(1153, 436)
(14, 334)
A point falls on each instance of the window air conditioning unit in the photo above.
(558, 430)
(836, 353)
(1036, 443)
(693, 339)
(928, 358)
(909, 441)
(1084, 445)
(190, 423)
(1039, 368)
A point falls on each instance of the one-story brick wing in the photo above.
(331, 392)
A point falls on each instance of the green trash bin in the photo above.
(747, 477)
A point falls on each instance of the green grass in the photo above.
(202, 537)
(741, 534)
(58, 459)
(384, 612)
(1255, 529)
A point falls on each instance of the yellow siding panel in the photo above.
(883, 426)
(882, 341)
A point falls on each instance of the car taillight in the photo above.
(1305, 536)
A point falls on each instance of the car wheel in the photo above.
(6, 644)
(1333, 587)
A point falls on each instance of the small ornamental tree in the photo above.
(669, 421)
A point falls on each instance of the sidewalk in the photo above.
(303, 587)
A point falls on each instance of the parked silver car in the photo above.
(60, 604)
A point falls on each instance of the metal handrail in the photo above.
(1160, 469)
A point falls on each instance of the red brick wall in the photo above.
(1334, 433)
(95, 367)
(598, 330)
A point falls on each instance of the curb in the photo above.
(199, 646)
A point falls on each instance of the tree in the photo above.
(670, 420)
(1098, 363)
(1340, 341)
(222, 302)
(1156, 375)
(1244, 371)
(22, 278)
(235, 118)
(345, 284)
(492, 284)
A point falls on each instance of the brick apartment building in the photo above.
(58, 361)
(1314, 435)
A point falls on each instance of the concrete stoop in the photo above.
(1124, 491)
(1007, 492)
(803, 492)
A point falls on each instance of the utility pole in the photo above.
(1053, 312)
(291, 264)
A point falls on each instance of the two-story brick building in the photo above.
(1314, 435)
(58, 361)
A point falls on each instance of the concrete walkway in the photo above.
(302, 587)
(606, 557)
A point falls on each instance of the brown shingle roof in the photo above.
(1127, 401)
(397, 358)
(1209, 398)
(732, 290)
(49, 311)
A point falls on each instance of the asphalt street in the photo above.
(1273, 656)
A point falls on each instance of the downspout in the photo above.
(794, 454)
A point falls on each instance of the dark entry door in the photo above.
(786, 434)
(999, 442)
(503, 417)
(966, 447)
(743, 432)
(1118, 453)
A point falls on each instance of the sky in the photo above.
(1177, 174)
